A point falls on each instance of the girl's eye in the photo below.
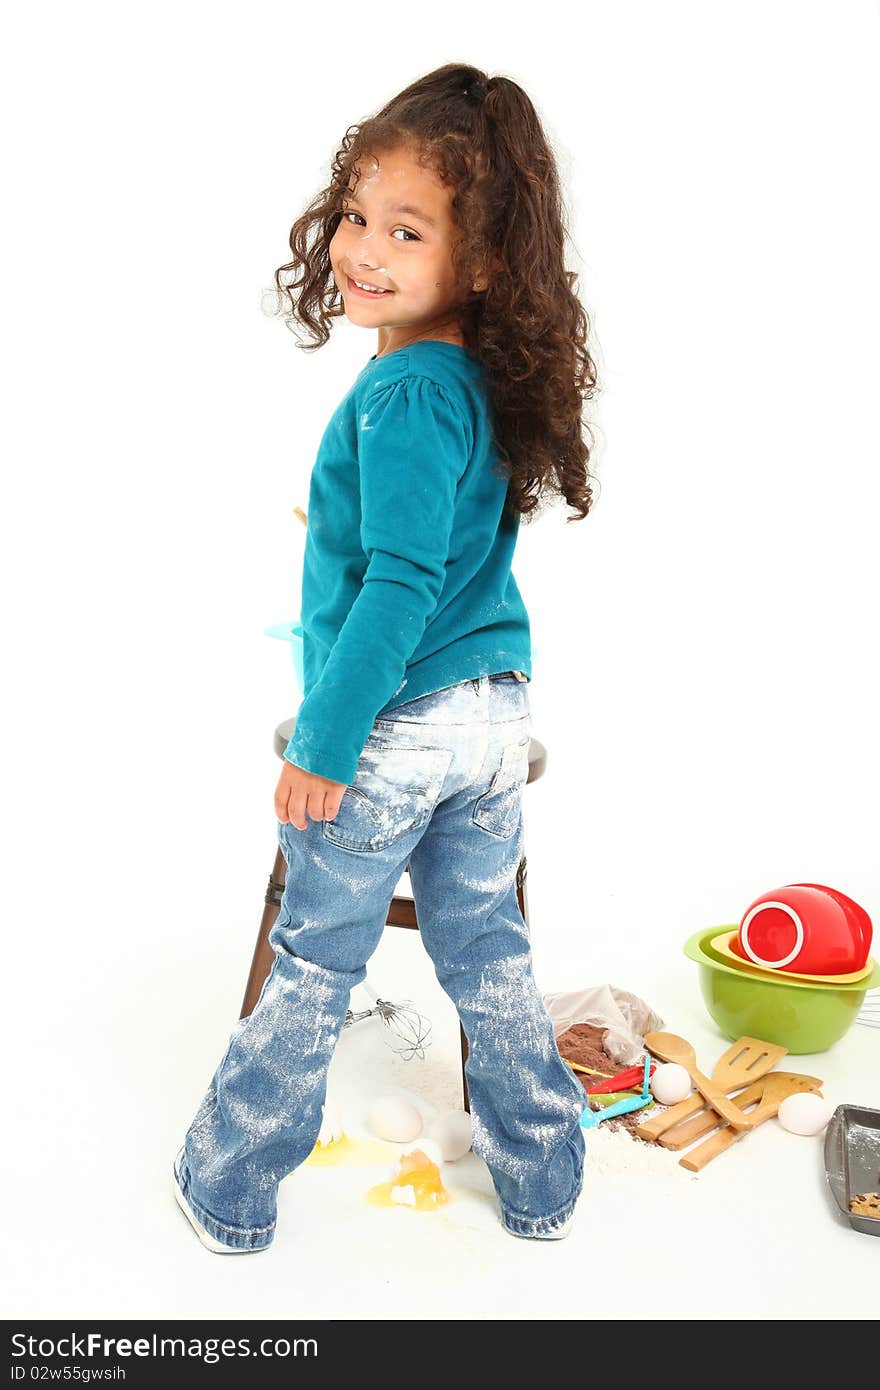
(405, 230)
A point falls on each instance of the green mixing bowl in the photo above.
(799, 1016)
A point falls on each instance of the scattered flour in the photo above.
(615, 1153)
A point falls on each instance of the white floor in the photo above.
(92, 1228)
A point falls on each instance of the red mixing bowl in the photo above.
(806, 927)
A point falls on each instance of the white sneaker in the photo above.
(205, 1236)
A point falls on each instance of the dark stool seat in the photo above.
(401, 909)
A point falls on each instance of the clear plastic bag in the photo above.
(625, 1017)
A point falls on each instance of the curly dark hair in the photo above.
(482, 137)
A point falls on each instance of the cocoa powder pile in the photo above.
(583, 1043)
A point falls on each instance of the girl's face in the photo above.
(396, 232)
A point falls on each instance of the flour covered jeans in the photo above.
(438, 788)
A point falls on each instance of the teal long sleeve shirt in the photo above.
(407, 584)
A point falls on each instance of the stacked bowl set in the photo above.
(796, 970)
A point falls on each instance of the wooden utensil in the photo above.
(671, 1048)
(745, 1060)
(680, 1136)
(769, 1093)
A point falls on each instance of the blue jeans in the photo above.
(438, 789)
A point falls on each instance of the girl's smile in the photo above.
(355, 288)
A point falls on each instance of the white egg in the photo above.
(331, 1125)
(806, 1113)
(453, 1133)
(396, 1119)
(670, 1083)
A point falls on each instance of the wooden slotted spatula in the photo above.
(769, 1093)
(671, 1048)
(745, 1060)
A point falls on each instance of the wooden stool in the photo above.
(401, 912)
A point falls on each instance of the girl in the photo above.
(440, 230)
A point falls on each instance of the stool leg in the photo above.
(521, 891)
(263, 953)
(464, 1055)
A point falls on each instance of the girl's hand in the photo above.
(299, 792)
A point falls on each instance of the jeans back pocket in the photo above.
(395, 789)
(498, 809)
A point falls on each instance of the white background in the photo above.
(705, 664)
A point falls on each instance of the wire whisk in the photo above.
(869, 1014)
(402, 1021)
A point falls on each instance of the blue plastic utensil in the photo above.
(591, 1118)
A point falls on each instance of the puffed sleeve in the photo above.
(414, 443)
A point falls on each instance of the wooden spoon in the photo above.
(671, 1048)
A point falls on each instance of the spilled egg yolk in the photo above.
(349, 1151)
(418, 1172)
